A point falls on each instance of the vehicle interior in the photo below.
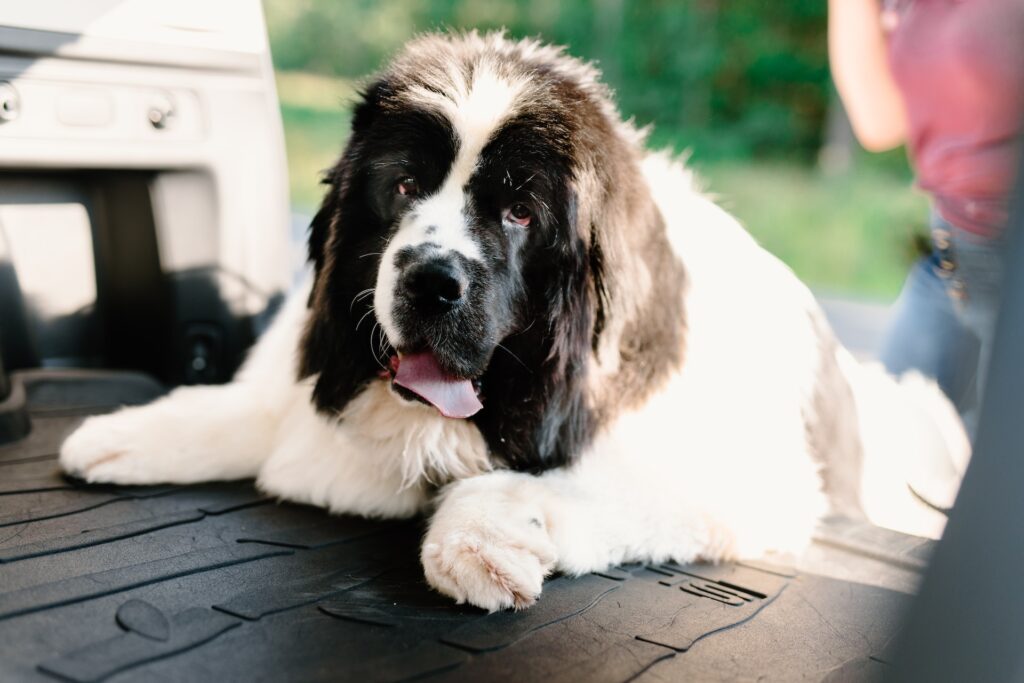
(144, 244)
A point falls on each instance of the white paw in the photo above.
(111, 449)
(488, 547)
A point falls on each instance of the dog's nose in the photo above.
(436, 285)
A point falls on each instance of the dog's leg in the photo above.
(661, 487)
(193, 434)
(198, 433)
(495, 537)
(490, 542)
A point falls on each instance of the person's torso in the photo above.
(960, 67)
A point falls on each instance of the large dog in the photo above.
(522, 318)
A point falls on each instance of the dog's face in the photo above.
(465, 212)
(457, 252)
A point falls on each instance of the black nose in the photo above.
(436, 285)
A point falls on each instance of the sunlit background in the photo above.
(743, 86)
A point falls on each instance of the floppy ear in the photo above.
(334, 348)
(576, 314)
(543, 418)
(336, 180)
(339, 177)
(575, 317)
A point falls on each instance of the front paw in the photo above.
(106, 449)
(488, 548)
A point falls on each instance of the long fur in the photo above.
(655, 385)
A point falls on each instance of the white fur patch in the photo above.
(907, 428)
(378, 460)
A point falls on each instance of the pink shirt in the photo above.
(960, 67)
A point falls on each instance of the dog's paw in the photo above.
(109, 449)
(488, 547)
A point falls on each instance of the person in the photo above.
(946, 77)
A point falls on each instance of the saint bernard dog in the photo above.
(548, 338)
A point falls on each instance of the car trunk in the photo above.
(143, 245)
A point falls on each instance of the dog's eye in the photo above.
(407, 187)
(519, 214)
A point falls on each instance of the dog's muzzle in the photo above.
(432, 287)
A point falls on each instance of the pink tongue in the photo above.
(420, 374)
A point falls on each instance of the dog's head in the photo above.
(480, 235)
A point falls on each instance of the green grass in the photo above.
(850, 233)
(316, 119)
(314, 140)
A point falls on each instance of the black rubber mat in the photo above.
(216, 582)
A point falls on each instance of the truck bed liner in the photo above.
(217, 582)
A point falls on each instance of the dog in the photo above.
(523, 322)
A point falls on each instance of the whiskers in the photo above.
(359, 297)
(524, 183)
(540, 202)
(382, 346)
(369, 311)
(518, 359)
(378, 348)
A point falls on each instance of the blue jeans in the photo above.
(945, 316)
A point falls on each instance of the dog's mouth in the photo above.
(419, 376)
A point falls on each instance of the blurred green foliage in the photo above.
(743, 85)
(850, 233)
(754, 72)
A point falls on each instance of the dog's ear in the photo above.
(574, 317)
(575, 321)
(333, 348)
(543, 418)
(338, 179)
(576, 296)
